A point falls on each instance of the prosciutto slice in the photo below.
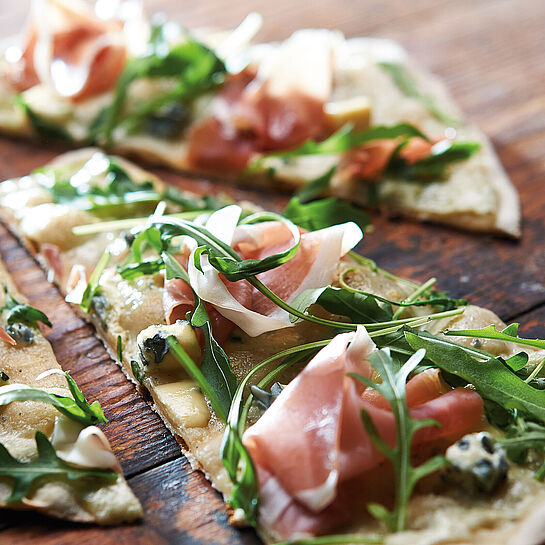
(312, 440)
(68, 47)
(279, 108)
(312, 267)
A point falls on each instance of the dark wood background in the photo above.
(491, 53)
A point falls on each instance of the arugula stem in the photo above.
(536, 371)
(341, 539)
(128, 223)
(370, 264)
(416, 293)
(195, 373)
(345, 325)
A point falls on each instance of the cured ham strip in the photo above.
(278, 109)
(5, 336)
(311, 407)
(312, 267)
(284, 105)
(369, 161)
(311, 440)
(69, 48)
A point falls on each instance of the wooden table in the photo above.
(491, 53)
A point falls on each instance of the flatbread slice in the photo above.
(357, 114)
(52, 460)
(140, 302)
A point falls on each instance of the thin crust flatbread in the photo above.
(475, 194)
(75, 500)
(510, 516)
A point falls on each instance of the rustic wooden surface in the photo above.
(491, 55)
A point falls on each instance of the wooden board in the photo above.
(490, 53)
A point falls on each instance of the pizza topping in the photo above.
(477, 463)
(21, 320)
(5, 336)
(326, 403)
(184, 403)
(84, 447)
(76, 407)
(284, 105)
(47, 464)
(280, 108)
(188, 70)
(409, 87)
(71, 49)
(355, 110)
(154, 349)
(316, 261)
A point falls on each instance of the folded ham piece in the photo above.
(311, 439)
(67, 46)
(315, 264)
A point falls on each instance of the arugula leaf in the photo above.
(360, 308)
(342, 140)
(240, 269)
(173, 269)
(47, 464)
(22, 313)
(94, 282)
(392, 388)
(215, 366)
(314, 188)
(434, 166)
(131, 271)
(120, 194)
(408, 86)
(509, 334)
(194, 69)
(218, 404)
(44, 128)
(76, 407)
(138, 372)
(437, 299)
(492, 378)
(324, 213)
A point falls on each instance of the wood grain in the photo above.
(490, 53)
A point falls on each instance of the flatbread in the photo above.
(475, 194)
(81, 500)
(129, 307)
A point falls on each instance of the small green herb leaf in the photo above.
(195, 373)
(361, 309)
(324, 213)
(215, 366)
(492, 378)
(408, 86)
(137, 372)
(19, 313)
(343, 140)
(435, 165)
(47, 464)
(509, 334)
(94, 282)
(44, 128)
(76, 407)
(392, 388)
(193, 69)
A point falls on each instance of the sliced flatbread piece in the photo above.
(77, 476)
(135, 310)
(258, 113)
